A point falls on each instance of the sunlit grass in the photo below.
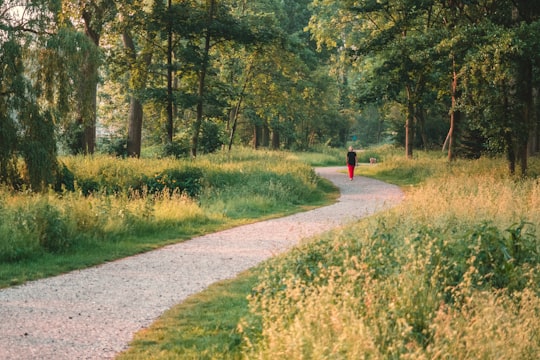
(112, 214)
(452, 272)
(446, 273)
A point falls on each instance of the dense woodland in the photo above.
(196, 76)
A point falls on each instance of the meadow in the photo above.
(107, 208)
(451, 273)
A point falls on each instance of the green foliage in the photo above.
(401, 283)
(176, 149)
(185, 181)
(65, 179)
(212, 137)
(501, 261)
(125, 206)
(87, 186)
(33, 227)
(116, 146)
(206, 339)
(51, 228)
(17, 241)
(39, 149)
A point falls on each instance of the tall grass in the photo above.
(452, 273)
(120, 207)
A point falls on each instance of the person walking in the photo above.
(352, 161)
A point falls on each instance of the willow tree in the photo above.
(26, 128)
(11, 80)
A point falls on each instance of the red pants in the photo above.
(351, 170)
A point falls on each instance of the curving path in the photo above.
(93, 313)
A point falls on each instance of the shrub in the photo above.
(87, 186)
(499, 257)
(65, 179)
(116, 146)
(186, 180)
(51, 228)
(176, 149)
(17, 242)
(212, 136)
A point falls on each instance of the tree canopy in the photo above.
(192, 76)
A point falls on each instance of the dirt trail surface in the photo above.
(93, 313)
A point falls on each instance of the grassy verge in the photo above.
(120, 207)
(205, 326)
(449, 271)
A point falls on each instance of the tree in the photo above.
(218, 26)
(501, 78)
(26, 128)
(286, 95)
(91, 16)
(131, 65)
(391, 43)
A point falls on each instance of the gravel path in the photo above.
(93, 313)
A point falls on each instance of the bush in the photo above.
(17, 242)
(116, 146)
(87, 186)
(500, 257)
(65, 179)
(51, 228)
(186, 180)
(177, 150)
(211, 137)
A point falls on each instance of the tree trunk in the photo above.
(509, 134)
(236, 109)
(135, 119)
(257, 135)
(265, 136)
(422, 126)
(524, 134)
(202, 77)
(91, 82)
(170, 120)
(510, 154)
(454, 114)
(275, 139)
(135, 115)
(409, 126)
(534, 134)
(234, 116)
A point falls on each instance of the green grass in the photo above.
(47, 234)
(322, 156)
(204, 326)
(447, 272)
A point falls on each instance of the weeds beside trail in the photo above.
(452, 272)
